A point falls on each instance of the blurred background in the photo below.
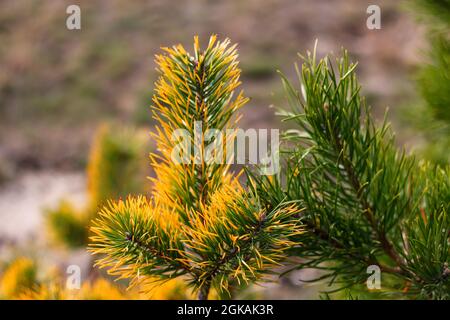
(74, 104)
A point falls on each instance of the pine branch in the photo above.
(365, 201)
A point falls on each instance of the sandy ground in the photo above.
(23, 200)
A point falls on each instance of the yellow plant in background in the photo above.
(116, 168)
(116, 164)
(99, 289)
(18, 276)
(174, 289)
(200, 224)
(102, 289)
(20, 281)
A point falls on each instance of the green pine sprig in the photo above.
(366, 203)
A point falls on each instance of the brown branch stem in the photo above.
(368, 210)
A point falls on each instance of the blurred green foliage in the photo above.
(259, 68)
(432, 115)
(68, 224)
(437, 10)
(434, 79)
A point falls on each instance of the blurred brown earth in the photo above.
(57, 85)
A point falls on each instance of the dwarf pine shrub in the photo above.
(200, 223)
